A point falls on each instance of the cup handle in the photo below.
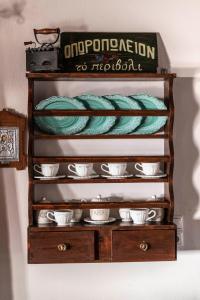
(71, 170)
(138, 166)
(153, 212)
(49, 214)
(103, 166)
(35, 168)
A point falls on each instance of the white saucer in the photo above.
(117, 176)
(49, 177)
(83, 177)
(75, 221)
(151, 176)
(89, 220)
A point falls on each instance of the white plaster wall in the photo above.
(178, 23)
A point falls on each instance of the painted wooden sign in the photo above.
(109, 52)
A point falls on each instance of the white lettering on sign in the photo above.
(88, 43)
(96, 45)
(81, 48)
(118, 66)
(117, 45)
(142, 49)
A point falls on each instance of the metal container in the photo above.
(46, 57)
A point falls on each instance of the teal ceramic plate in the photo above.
(124, 125)
(100, 124)
(151, 124)
(61, 125)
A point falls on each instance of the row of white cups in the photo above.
(86, 170)
(138, 216)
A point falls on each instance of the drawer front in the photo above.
(144, 245)
(61, 247)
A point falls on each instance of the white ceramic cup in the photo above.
(47, 170)
(114, 169)
(159, 214)
(125, 214)
(148, 168)
(42, 217)
(62, 218)
(100, 214)
(77, 214)
(142, 215)
(81, 170)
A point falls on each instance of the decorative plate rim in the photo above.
(159, 121)
(44, 126)
(125, 129)
(107, 121)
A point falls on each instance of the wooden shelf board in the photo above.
(100, 159)
(100, 180)
(88, 205)
(118, 225)
(108, 136)
(98, 76)
(101, 112)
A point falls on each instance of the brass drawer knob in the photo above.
(144, 246)
(63, 247)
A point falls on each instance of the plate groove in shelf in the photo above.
(100, 180)
(110, 204)
(100, 159)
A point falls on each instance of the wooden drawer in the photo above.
(61, 247)
(144, 245)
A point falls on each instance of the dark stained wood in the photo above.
(30, 148)
(128, 245)
(99, 180)
(102, 136)
(100, 112)
(117, 225)
(105, 244)
(100, 159)
(46, 247)
(114, 241)
(86, 205)
(95, 243)
(169, 146)
(99, 76)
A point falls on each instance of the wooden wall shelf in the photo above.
(117, 225)
(101, 113)
(88, 205)
(99, 180)
(102, 136)
(100, 159)
(114, 242)
(99, 76)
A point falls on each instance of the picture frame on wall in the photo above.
(12, 140)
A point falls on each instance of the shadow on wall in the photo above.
(186, 157)
(5, 266)
(10, 240)
(12, 10)
(163, 58)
